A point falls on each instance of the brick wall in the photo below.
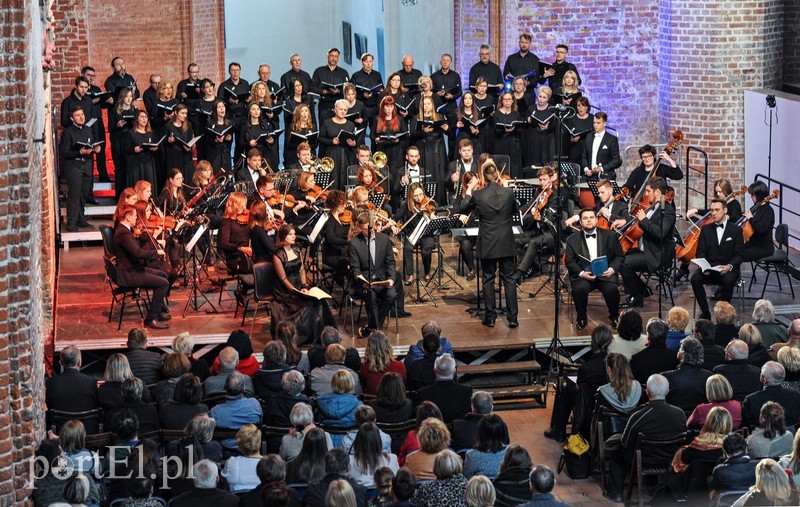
(23, 288)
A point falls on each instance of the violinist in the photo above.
(149, 232)
(361, 202)
(306, 192)
(368, 177)
(410, 213)
(144, 190)
(274, 201)
(128, 197)
(762, 219)
(334, 249)
(458, 168)
(234, 235)
(611, 211)
(667, 169)
(466, 243)
(540, 222)
(721, 243)
(722, 189)
(172, 195)
(656, 246)
(262, 232)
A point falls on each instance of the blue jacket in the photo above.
(338, 410)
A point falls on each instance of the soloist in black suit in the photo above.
(729, 251)
(658, 248)
(495, 206)
(377, 300)
(607, 155)
(577, 258)
(132, 272)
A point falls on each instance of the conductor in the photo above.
(495, 206)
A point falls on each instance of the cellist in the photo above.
(656, 245)
(667, 168)
(762, 218)
(611, 212)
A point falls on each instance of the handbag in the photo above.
(576, 458)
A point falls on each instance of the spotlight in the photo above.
(771, 101)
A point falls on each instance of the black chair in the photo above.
(349, 298)
(652, 458)
(776, 263)
(92, 419)
(397, 432)
(606, 422)
(263, 288)
(121, 294)
(728, 497)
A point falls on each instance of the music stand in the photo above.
(377, 200)
(322, 179)
(437, 227)
(413, 239)
(570, 171)
(196, 259)
(524, 195)
(593, 187)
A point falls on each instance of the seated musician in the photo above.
(251, 170)
(305, 191)
(762, 218)
(466, 244)
(335, 232)
(132, 271)
(360, 200)
(152, 236)
(369, 178)
(601, 151)
(613, 213)
(303, 163)
(410, 213)
(583, 248)
(275, 207)
(412, 173)
(667, 169)
(457, 168)
(721, 243)
(234, 234)
(363, 157)
(656, 246)
(371, 257)
(540, 222)
(262, 232)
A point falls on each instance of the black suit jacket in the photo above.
(729, 251)
(743, 377)
(495, 207)
(195, 497)
(463, 432)
(607, 244)
(657, 236)
(788, 399)
(607, 156)
(383, 269)
(453, 399)
(130, 256)
(687, 386)
(72, 391)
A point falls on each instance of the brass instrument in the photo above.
(380, 159)
(322, 165)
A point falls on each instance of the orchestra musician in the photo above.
(540, 222)
(132, 271)
(762, 220)
(583, 248)
(458, 168)
(721, 243)
(410, 213)
(371, 257)
(601, 157)
(466, 243)
(304, 193)
(252, 169)
(495, 207)
(334, 249)
(151, 235)
(507, 134)
(172, 195)
(234, 235)
(656, 246)
(359, 198)
(303, 162)
(667, 169)
(615, 212)
(340, 150)
(128, 197)
(144, 190)
(363, 159)
(301, 124)
(411, 173)
(203, 173)
(308, 314)
(265, 187)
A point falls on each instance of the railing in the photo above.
(700, 173)
(784, 197)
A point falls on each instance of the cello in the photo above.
(744, 222)
(631, 231)
(688, 252)
(602, 222)
(640, 200)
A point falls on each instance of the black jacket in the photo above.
(687, 386)
(653, 359)
(72, 391)
(607, 156)
(462, 436)
(657, 419)
(713, 354)
(495, 207)
(453, 399)
(743, 377)
(738, 472)
(788, 399)
(578, 253)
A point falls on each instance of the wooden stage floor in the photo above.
(83, 302)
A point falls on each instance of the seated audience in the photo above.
(480, 492)
(378, 361)
(77, 490)
(368, 455)
(199, 433)
(416, 351)
(791, 461)
(279, 405)
(302, 421)
(271, 472)
(420, 373)
(772, 487)
(694, 462)
(132, 390)
(687, 383)
(109, 393)
(206, 489)
(449, 484)
(770, 440)
(309, 464)
(228, 361)
(656, 358)
(713, 354)
(185, 403)
(490, 447)
(404, 485)
(382, 479)
(425, 410)
(789, 358)
(49, 487)
(338, 408)
(678, 320)
(240, 471)
(463, 430)
(511, 484)
(175, 365)
(364, 414)
(72, 437)
(247, 363)
(629, 339)
(184, 343)
(286, 333)
(793, 339)
(720, 394)
(340, 494)
(743, 376)
(772, 376)
(453, 399)
(145, 364)
(725, 318)
(764, 320)
(757, 355)
(71, 390)
(267, 380)
(237, 410)
(329, 336)
(542, 481)
(319, 380)
(736, 470)
(337, 465)
(391, 404)
(433, 437)
(623, 393)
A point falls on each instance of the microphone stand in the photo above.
(663, 251)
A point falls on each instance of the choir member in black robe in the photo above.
(429, 139)
(578, 128)
(77, 167)
(177, 152)
(217, 138)
(140, 162)
(525, 100)
(488, 70)
(390, 135)
(234, 91)
(409, 75)
(296, 72)
(300, 130)
(164, 110)
(294, 97)
(560, 66)
(327, 83)
(506, 133)
(356, 112)
(340, 150)
(523, 62)
(254, 134)
(120, 79)
(121, 118)
(542, 148)
(485, 102)
(369, 84)
(470, 124)
(189, 91)
(203, 109)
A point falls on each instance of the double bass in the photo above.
(688, 252)
(744, 222)
(640, 200)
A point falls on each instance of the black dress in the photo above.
(263, 245)
(334, 249)
(233, 235)
(478, 141)
(140, 166)
(308, 315)
(175, 154)
(268, 151)
(355, 112)
(542, 147)
(433, 157)
(217, 154)
(118, 136)
(290, 144)
(203, 111)
(343, 155)
(525, 106)
(507, 143)
(575, 150)
(486, 108)
(395, 149)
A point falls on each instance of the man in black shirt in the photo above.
(99, 127)
(409, 75)
(231, 90)
(150, 96)
(77, 98)
(555, 75)
(334, 77)
(189, 88)
(486, 69)
(77, 166)
(365, 80)
(522, 63)
(295, 72)
(447, 84)
(119, 79)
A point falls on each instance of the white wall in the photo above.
(785, 147)
(424, 31)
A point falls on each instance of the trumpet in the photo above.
(380, 159)
(322, 165)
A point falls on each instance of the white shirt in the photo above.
(720, 230)
(413, 174)
(597, 143)
(254, 174)
(591, 245)
(467, 165)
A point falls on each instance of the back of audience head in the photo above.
(235, 384)
(240, 341)
(764, 311)
(175, 365)
(329, 335)
(367, 447)
(137, 338)
(183, 343)
(132, 390)
(379, 352)
(516, 456)
(773, 419)
(793, 331)
(736, 350)
(76, 489)
(772, 373)
(431, 327)
(718, 422)
(404, 484)
(789, 358)
(206, 474)
(678, 318)
(619, 374)
(188, 390)
(293, 382)
(433, 436)
(248, 439)
(718, 389)
(274, 353)
(750, 334)
(734, 445)
(342, 382)
(276, 495)
(491, 434)
(271, 468)
(383, 480)
(657, 331)
(601, 338)
(70, 357)
(73, 436)
(141, 485)
(724, 313)
(201, 426)
(691, 352)
(447, 464)
(482, 403)
(336, 461)
(431, 344)
(704, 329)
(480, 492)
(340, 494)
(445, 367)
(630, 325)
(773, 481)
(365, 414)
(126, 424)
(335, 353)
(657, 387)
(301, 416)
(118, 369)
(542, 480)
(425, 410)
(391, 390)
(228, 358)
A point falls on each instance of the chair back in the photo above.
(657, 451)
(728, 497)
(92, 419)
(397, 432)
(264, 278)
(782, 236)
(111, 269)
(108, 239)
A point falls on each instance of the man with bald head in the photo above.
(744, 377)
(772, 376)
(409, 75)
(228, 360)
(793, 333)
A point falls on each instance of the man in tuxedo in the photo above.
(601, 151)
(720, 243)
(457, 168)
(486, 69)
(656, 246)
(371, 257)
(583, 248)
(495, 207)
(131, 269)
(251, 170)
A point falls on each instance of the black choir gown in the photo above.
(308, 315)
(433, 157)
(140, 166)
(525, 107)
(486, 108)
(269, 152)
(118, 136)
(343, 155)
(291, 143)
(354, 112)
(203, 113)
(575, 150)
(217, 154)
(478, 141)
(507, 143)
(395, 150)
(542, 147)
(175, 155)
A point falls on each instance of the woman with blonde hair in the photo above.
(706, 446)
(480, 492)
(234, 235)
(433, 437)
(725, 320)
(118, 370)
(772, 487)
(240, 471)
(789, 357)
(340, 494)
(791, 462)
(378, 361)
(719, 394)
(338, 408)
(678, 320)
(757, 355)
(184, 343)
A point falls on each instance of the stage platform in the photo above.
(83, 301)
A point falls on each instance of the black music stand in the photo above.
(197, 259)
(524, 195)
(418, 233)
(377, 200)
(322, 179)
(593, 188)
(437, 227)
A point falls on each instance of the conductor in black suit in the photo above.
(131, 269)
(584, 247)
(601, 151)
(495, 206)
(371, 257)
(656, 246)
(721, 243)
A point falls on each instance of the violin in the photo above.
(632, 230)
(374, 188)
(317, 192)
(602, 222)
(243, 218)
(166, 222)
(744, 222)
(286, 200)
(346, 217)
(544, 198)
(686, 253)
(640, 200)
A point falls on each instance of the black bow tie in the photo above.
(594, 234)
(721, 226)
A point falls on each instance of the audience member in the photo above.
(719, 394)
(145, 364)
(271, 471)
(416, 351)
(421, 372)
(404, 485)
(237, 410)
(713, 354)
(656, 358)
(789, 358)
(279, 405)
(772, 375)
(678, 320)
(743, 376)
(382, 479)
(185, 403)
(770, 440)
(623, 393)
(464, 430)
(72, 437)
(489, 449)
(206, 490)
(71, 390)
(184, 343)
(772, 487)
(687, 382)
(453, 399)
(757, 354)
(77, 490)
(286, 333)
(118, 370)
(240, 471)
(725, 318)
(629, 339)
(302, 421)
(391, 404)
(132, 390)
(247, 363)
(480, 492)
(425, 410)
(542, 481)
(338, 408)
(175, 365)
(793, 339)
(449, 485)
(337, 464)
(764, 320)
(228, 361)
(791, 461)
(736, 470)
(369, 454)
(267, 380)
(329, 336)
(340, 494)
(433, 437)
(309, 464)
(365, 414)
(48, 487)
(511, 484)
(199, 433)
(319, 380)
(378, 361)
